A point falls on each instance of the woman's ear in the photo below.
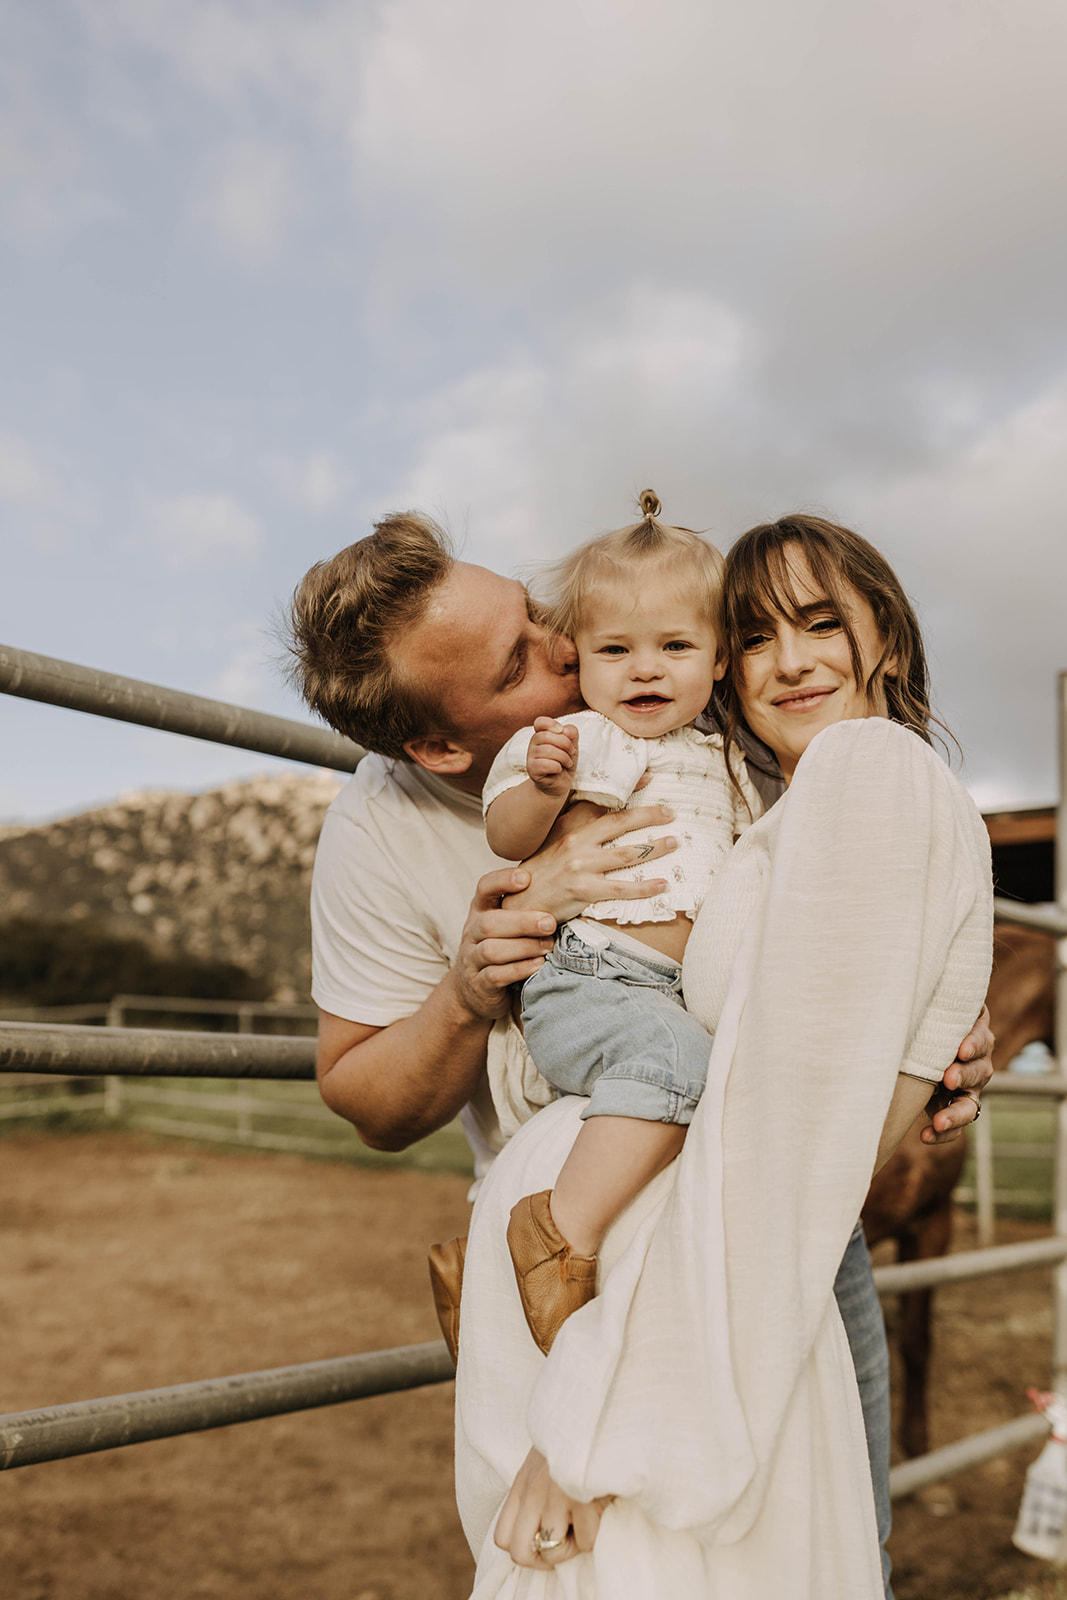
(438, 754)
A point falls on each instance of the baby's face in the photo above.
(647, 660)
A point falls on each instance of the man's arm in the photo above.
(399, 1083)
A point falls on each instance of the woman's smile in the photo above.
(803, 699)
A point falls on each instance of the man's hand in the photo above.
(499, 947)
(551, 756)
(568, 872)
(537, 1505)
(951, 1107)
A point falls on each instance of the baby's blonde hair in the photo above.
(566, 587)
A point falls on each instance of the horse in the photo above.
(910, 1199)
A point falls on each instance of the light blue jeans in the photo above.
(861, 1312)
(613, 1026)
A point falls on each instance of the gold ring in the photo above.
(543, 1541)
(967, 1094)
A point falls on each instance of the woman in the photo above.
(841, 954)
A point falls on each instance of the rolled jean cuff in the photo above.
(617, 1096)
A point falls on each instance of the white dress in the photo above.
(710, 1386)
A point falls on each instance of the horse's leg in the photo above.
(927, 1239)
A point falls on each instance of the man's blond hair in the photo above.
(345, 615)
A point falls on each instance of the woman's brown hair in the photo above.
(758, 585)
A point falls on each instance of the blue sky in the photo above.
(274, 268)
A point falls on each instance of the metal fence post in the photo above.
(982, 1147)
(1059, 1338)
(112, 1084)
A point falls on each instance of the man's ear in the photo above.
(438, 754)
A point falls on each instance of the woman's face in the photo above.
(794, 676)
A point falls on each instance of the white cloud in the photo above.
(318, 481)
(302, 52)
(249, 199)
(44, 188)
(541, 448)
(194, 531)
(981, 537)
(24, 478)
(36, 495)
(247, 677)
(523, 132)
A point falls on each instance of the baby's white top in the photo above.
(687, 771)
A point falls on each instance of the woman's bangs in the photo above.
(763, 587)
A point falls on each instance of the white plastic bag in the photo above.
(1043, 1510)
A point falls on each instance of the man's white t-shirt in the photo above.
(398, 859)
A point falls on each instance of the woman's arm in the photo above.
(910, 1099)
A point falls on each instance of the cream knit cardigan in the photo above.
(710, 1385)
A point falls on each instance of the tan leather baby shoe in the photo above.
(446, 1277)
(552, 1280)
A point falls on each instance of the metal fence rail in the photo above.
(963, 1454)
(29, 1437)
(901, 1277)
(109, 694)
(152, 1052)
(1046, 919)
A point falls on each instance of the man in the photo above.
(433, 664)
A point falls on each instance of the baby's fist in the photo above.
(551, 755)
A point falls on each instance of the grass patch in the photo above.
(1051, 1585)
(1024, 1182)
(234, 1114)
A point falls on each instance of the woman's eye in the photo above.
(753, 641)
(828, 624)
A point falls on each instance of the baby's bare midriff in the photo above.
(669, 938)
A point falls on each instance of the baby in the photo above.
(604, 1016)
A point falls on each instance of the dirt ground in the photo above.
(128, 1264)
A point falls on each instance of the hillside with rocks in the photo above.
(223, 876)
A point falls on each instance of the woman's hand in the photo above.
(537, 1506)
(955, 1103)
(568, 872)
